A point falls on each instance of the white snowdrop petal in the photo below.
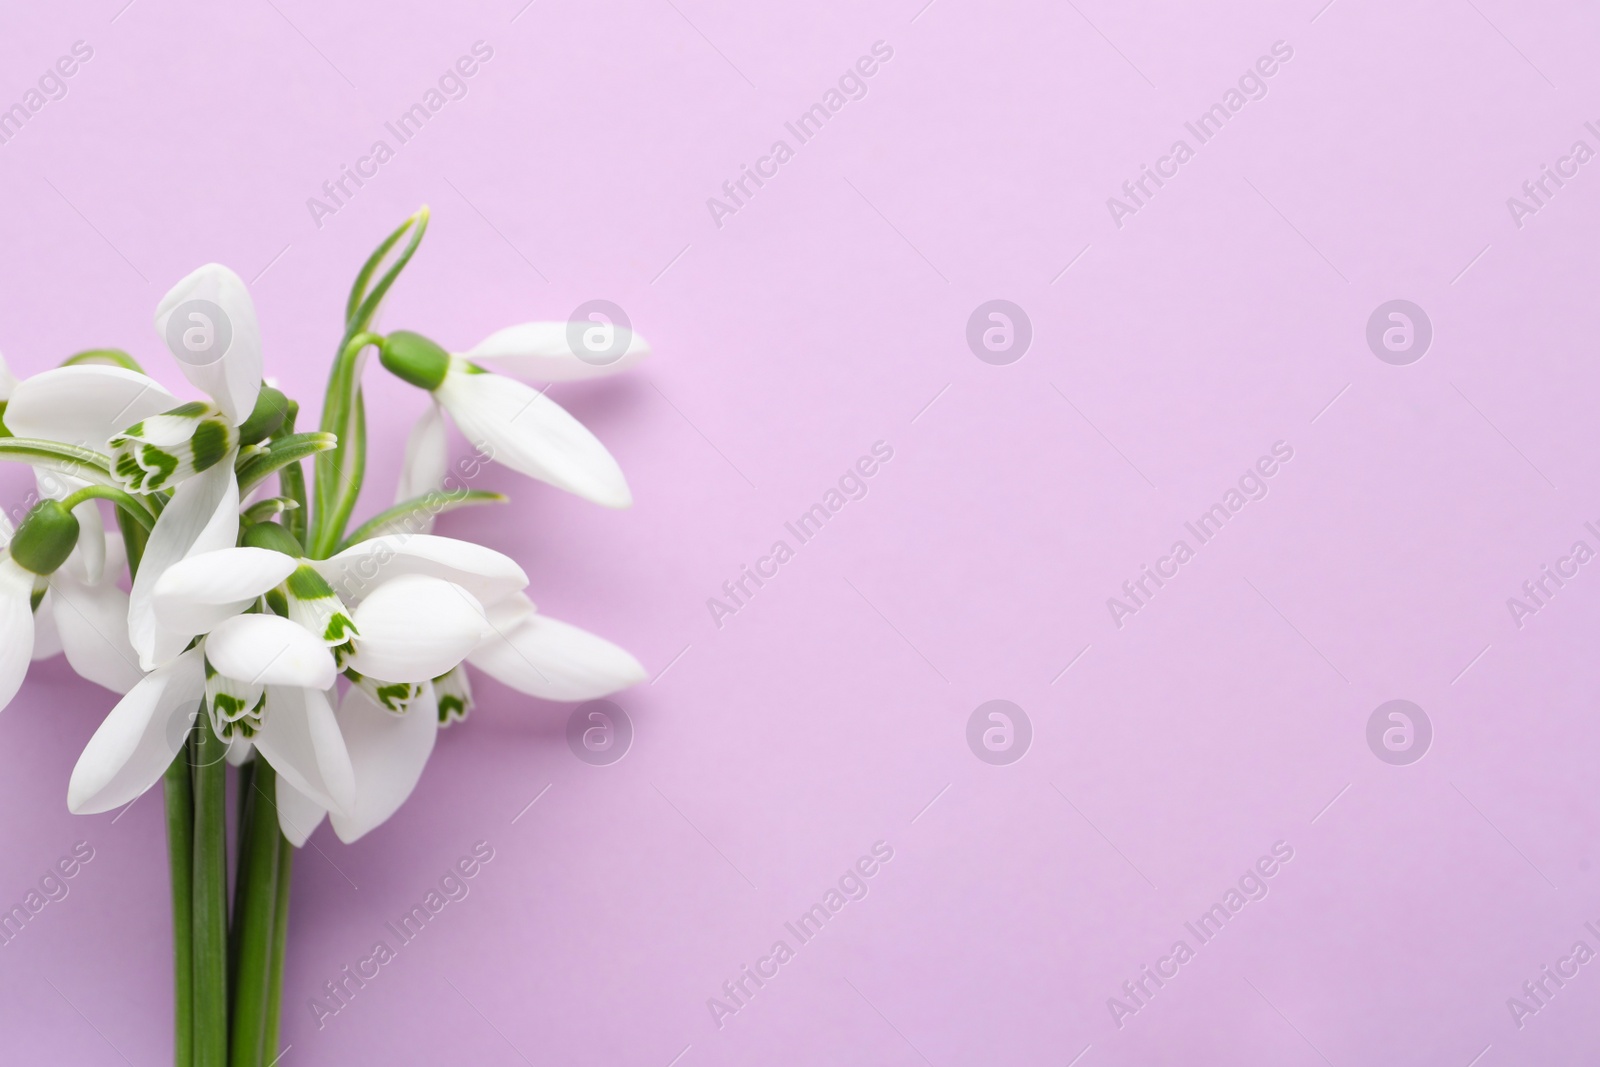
(550, 351)
(84, 405)
(488, 575)
(413, 629)
(138, 740)
(272, 651)
(93, 623)
(197, 593)
(298, 814)
(427, 457)
(46, 635)
(202, 516)
(231, 375)
(521, 428)
(547, 658)
(16, 628)
(388, 752)
(301, 739)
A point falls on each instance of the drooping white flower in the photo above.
(265, 679)
(505, 419)
(209, 323)
(41, 571)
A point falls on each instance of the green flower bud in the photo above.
(413, 358)
(270, 410)
(46, 538)
(273, 536)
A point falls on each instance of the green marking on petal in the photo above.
(306, 584)
(394, 696)
(341, 628)
(158, 465)
(193, 409)
(209, 443)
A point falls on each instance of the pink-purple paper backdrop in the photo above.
(827, 313)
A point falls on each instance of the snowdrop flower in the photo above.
(84, 619)
(261, 677)
(416, 616)
(389, 746)
(509, 421)
(209, 324)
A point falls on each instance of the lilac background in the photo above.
(827, 314)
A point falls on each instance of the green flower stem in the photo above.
(128, 504)
(255, 912)
(241, 870)
(210, 876)
(180, 858)
(292, 482)
(280, 941)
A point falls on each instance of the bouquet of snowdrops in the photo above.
(250, 597)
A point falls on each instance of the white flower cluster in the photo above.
(249, 600)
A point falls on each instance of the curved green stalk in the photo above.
(84, 463)
(131, 505)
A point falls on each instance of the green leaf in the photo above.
(80, 462)
(362, 305)
(282, 452)
(397, 519)
(107, 357)
(339, 473)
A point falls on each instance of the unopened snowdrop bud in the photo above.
(454, 691)
(272, 407)
(235, 706)
(46, 538)
(415, 359)
(165, 449)
(271, 535)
